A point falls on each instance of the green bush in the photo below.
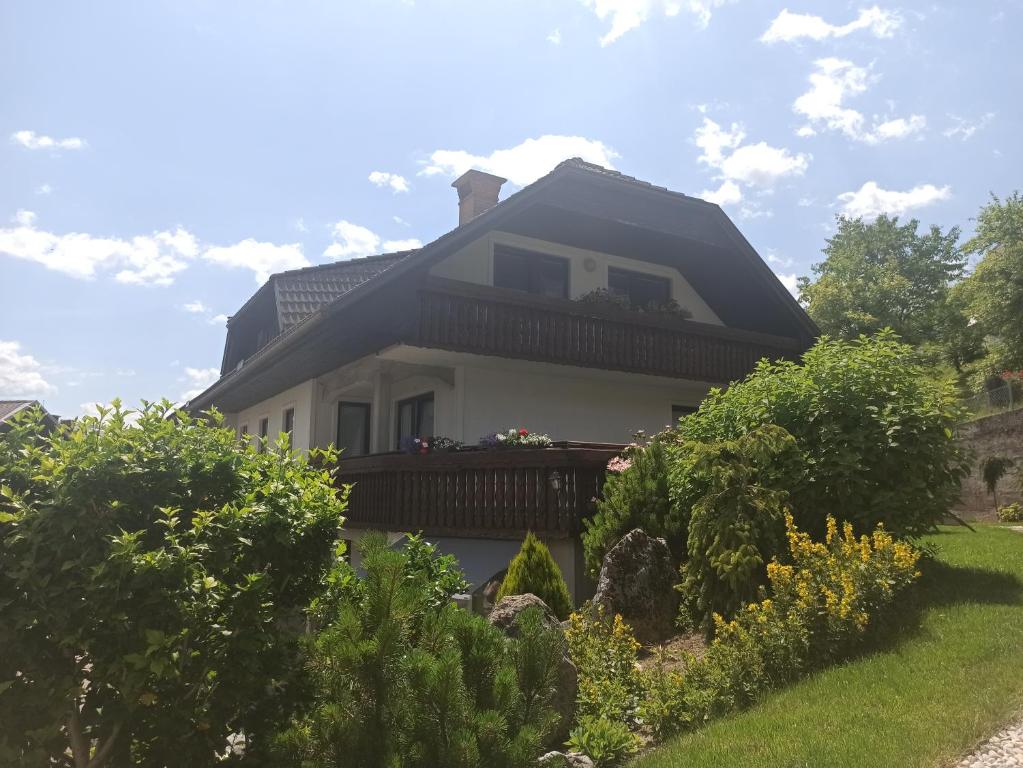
(603, 650)
(635, 495)
(1011, 513)
(607, 742)
(397, 680)
(820, 607)
(153, 574)
(875, 427)
(533, 570)
(737, 523)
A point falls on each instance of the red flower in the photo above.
(523, 431)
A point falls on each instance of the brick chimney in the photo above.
(477, 192)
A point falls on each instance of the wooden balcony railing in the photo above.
(479, 319)
(496, 493)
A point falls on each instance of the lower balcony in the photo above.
(498, 493)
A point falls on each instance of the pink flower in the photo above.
(618, 464)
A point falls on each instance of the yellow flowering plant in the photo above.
(604, 650)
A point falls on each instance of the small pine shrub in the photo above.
(533, 570)
(635, 495)
(1011, 513)
(607, 742)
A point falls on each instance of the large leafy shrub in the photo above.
(875, 428)
(533, 570)
(152, 577)
(737, 519)
(398, 680)
(817, 610)
(635, 495)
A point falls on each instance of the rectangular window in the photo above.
(642, 290)
(415, 417)
(678, 411)
(353, 428)
(288, 421)
(264, 433)
(530, 272)
(243, 433)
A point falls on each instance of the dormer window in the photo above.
(530, 272)
(641, 289)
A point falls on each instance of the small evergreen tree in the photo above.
(533, 570)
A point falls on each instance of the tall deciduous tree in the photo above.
(993, 293)
(152, 577)
(884, 274)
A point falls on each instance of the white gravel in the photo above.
(1003, 750)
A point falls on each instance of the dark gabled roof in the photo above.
(569, 172)
(10, 407)
(300, 292)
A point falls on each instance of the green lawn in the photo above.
(951, 678)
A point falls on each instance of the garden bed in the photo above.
(949, 677)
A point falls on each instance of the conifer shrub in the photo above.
(533, 570)
(397, 679)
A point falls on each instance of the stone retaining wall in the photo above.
(998, 435)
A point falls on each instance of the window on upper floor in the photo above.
(641, 289)
(353, 428)
(415, 417)
(531, 272)
(264, 433)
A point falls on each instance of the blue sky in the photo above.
(158, 159)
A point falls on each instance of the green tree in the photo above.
(533, 570)
(993, 293)
(883, 274)
(399, 681)
(153, 574)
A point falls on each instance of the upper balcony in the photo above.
(478, 319)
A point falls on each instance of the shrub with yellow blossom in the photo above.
(604, 652)
(822, 604)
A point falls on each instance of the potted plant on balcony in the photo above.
(425, 445)
(515, 438)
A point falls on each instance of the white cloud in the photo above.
(154, 259)
(393, 180)
(788, 27)
(33, 140)
(195, 307)
(21, 375)
(554, 38)
(44, 189)
(759, 165)
(728, 193)
(626, 15)
(831, 83)
(523, 163)
(145, 260)
(782, 261)
(197, 380)
(352, 240)
(218, 320)
(790, 282)
(870, 200)
(262, 258)
(964, 128)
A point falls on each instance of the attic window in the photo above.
(641, 289)
(530, 272)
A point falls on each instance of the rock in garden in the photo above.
(637, 580)
(503, 617)
(565, 760)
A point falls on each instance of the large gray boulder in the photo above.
(503, 617)
(637, 580)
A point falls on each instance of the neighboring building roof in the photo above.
(300, 292)
(10, 407)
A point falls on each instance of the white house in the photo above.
(587, 306)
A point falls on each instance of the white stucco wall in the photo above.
(301, 398)
(567, 407)
(475, 264)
